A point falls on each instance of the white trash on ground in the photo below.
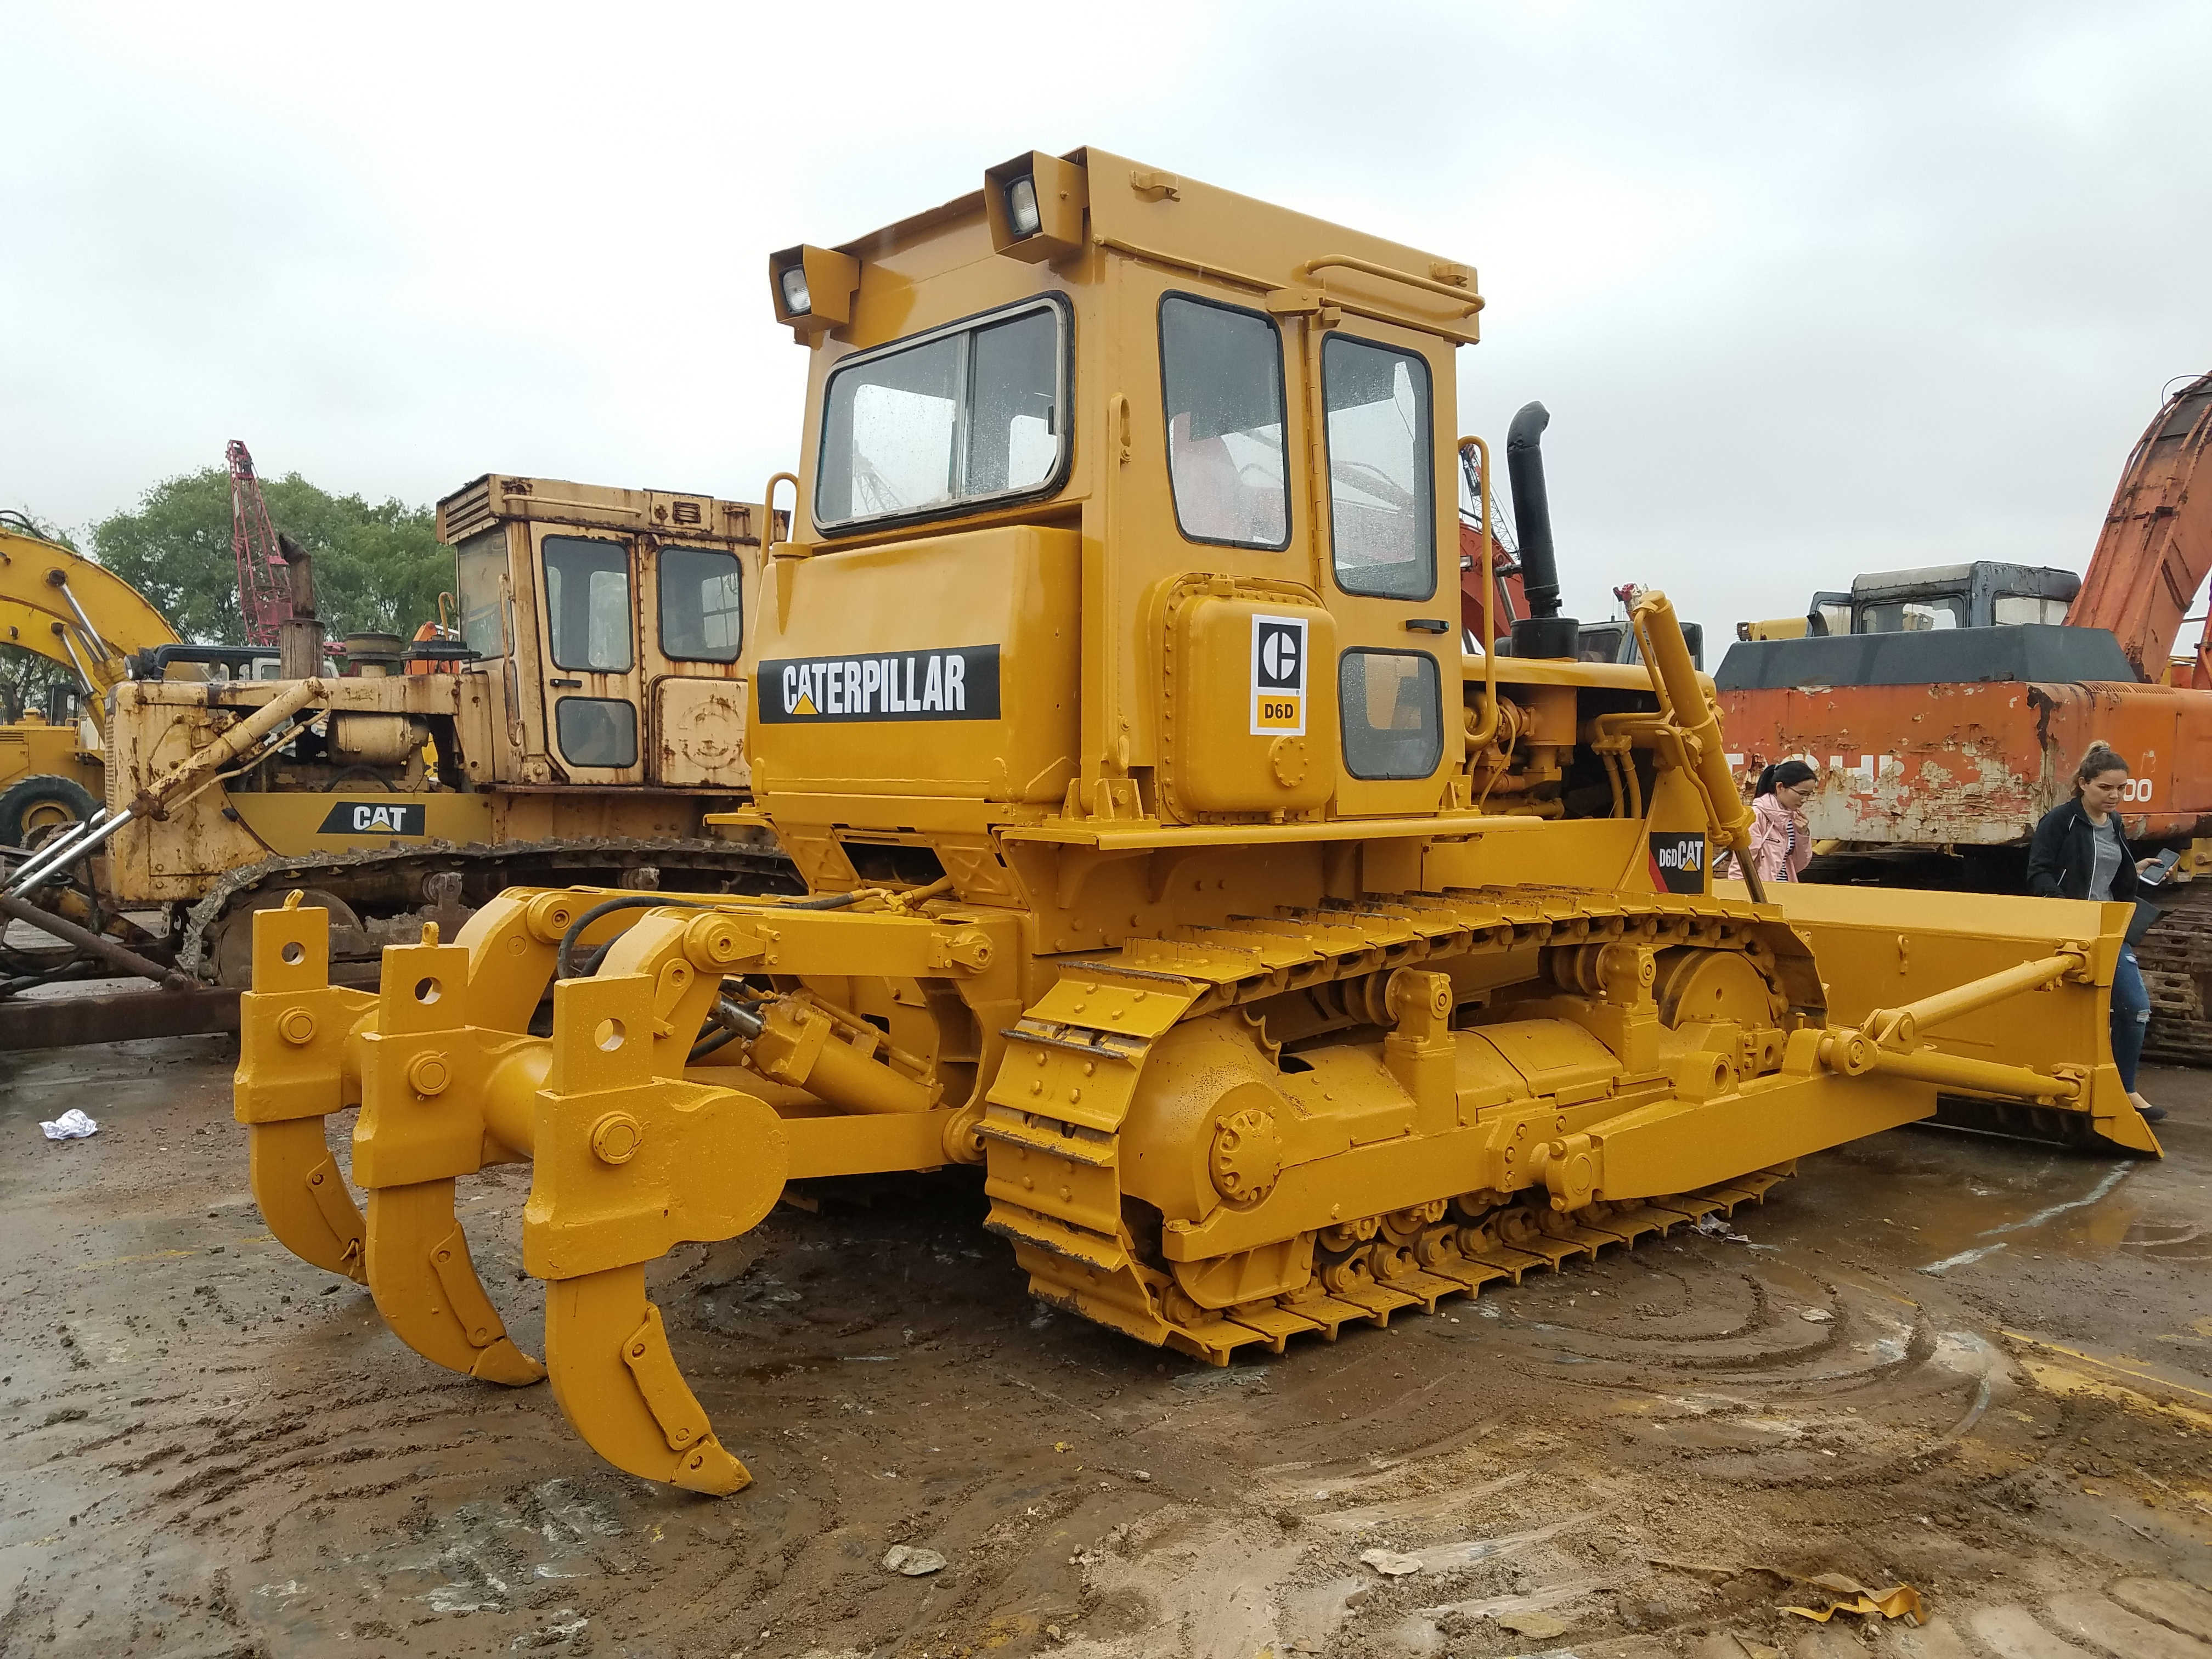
(72, 1125)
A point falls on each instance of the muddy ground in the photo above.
(1978, 1368)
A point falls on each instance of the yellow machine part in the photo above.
(87, 620)
(33, 748)
(1277, 966)
(72, 612)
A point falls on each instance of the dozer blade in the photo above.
(618, 1385)
(1878, 948)
(427, 1288)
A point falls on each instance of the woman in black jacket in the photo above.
(2081, 852)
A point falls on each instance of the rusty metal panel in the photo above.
(699, 733)
(1974, 763)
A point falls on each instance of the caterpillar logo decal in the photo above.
(375, 817)
(1278, 676)
(1678, 862)
(960, 683)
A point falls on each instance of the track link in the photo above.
(1546, 1241)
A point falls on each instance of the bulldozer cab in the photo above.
(1141, 522)
(610, 628)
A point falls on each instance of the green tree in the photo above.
(25, 675)
(379, 566)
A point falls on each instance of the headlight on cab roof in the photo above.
(1022, 207)
(1035, 204)
(795, 298)
(813, 287)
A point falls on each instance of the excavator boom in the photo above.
(2156, 550)
(70, 611)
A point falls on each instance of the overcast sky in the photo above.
(1808, 290)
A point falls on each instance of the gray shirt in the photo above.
(2107, 862)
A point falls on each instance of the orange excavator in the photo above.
(1945, 709)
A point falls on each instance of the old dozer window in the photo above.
(596, 731)
(966, 415)
(482, 562)
(587, 603)
(1382, 521)
(1393, 713)
(701, 604)
(1221, 377)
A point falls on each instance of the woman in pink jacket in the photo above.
(1781, 844)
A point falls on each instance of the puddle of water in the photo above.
(1950, 1200)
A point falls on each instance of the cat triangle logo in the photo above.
(805, 706)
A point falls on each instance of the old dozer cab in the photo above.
(586, 719)
(1277, 965)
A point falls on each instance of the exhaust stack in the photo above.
(1544, 632)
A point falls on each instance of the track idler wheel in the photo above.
(618, 1385)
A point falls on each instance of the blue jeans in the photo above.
(2130, 1016)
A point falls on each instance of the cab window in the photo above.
(482, 562)
(2017, 610)
(701, 604)
(1914, 616)
(967, 415)
(596, 731)
(1221, 377)
(588, 603)
(1393, 713)
(1383, 521)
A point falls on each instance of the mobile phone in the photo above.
(2162, 866)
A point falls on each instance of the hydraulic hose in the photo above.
(565, 965)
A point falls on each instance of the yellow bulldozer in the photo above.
(581, 726)
(1276, 964)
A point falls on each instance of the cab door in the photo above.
(698, 661)
(588, 616)
(1384, 504)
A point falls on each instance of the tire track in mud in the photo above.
(888, 1380)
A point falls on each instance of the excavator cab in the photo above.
(1986, 594)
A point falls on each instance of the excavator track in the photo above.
(1051, 1126)
(381, 885)
(2175, 959)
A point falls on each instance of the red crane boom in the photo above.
(263, 597)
